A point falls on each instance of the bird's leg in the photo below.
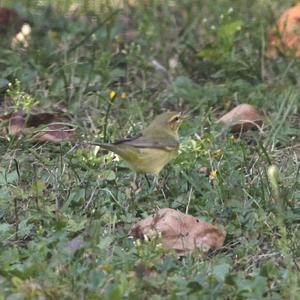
(165, 181)
(159, 188)
(152, 185)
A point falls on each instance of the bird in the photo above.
(152, 149)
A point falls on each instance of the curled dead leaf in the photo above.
(52, 132)
(284, 36)
(10, 20)
(242, 118)
(180, 232)
(5, 117)
(20, 120)
(14, 27)
(16, 123)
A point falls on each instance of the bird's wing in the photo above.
(126, 139)
(141, 141)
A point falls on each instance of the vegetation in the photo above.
(66, 209)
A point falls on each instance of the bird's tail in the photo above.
(111, 147)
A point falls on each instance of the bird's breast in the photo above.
(152, 160)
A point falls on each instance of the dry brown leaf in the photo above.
(284, 37)
(16, 123)
(19, 121)
(243, 117)
(5, 117)
(10, 21)
(14, 27)
(54, 132)
(180, 232)
(35, 120)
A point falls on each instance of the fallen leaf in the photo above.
(35, 120)
(14, 27)
(10, 21)
(284, 36)
(180, 232)
(53, 132)
(16, 123)
(19, 120)
(5, 117)
(242, 118)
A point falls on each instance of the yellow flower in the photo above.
(213, 174)
(123, 95)
(232, 137)
(112, 95)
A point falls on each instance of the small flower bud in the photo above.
(112, 95)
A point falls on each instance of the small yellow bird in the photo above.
(155, 147)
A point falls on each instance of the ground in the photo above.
(109, 68)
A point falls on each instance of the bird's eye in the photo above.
(176, 119)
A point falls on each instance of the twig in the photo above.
(90, 199)
(189, 201)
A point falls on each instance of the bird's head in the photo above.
(168, 122)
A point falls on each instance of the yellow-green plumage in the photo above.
(155, 147)
(143, 160)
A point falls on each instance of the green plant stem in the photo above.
(106, 121)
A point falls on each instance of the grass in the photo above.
(66, 212)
